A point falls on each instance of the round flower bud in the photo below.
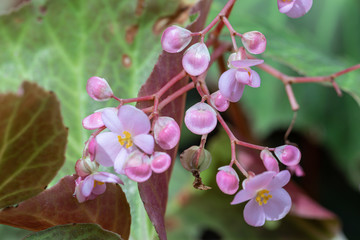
(188, 159)
(98, 89)
(219, 101)
(138, 167)
(200, 118)
(93, 121)
(160, 162)
(254, 42)
(287, 154)
(227, 180)
(196, 59)
(166, 132)
(84, 167)
(175, 39)
(269, 161)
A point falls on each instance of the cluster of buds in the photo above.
(128, 145)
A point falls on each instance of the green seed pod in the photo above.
(189, 156)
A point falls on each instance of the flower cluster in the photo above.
(129, 141)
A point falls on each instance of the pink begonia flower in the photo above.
(294, 8)
(166, 132)
(254, 42)
(160, 162)
(174, 39)
(98, 89)
(232, 82)
(297, 170)
(219, 101)
(268, 200)
(288, 155)
(129, 129)
(200, 118)
(90, 187)
(227, 180)
(269, 161)
(196, 59)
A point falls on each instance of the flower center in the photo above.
(126, 140)
(262, 197)
(97, 183)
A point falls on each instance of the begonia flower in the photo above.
(91, 186)
(174, 39)
(289, 155)
(98, 89)
(200, 118)
(268, 200)
(232, 82)
(166, 132)
(129, 130)
(294, 8)
(94, 121)
(196, 59)
(227, 180)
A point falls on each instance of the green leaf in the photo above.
(57, 206)
(62, 47)
(79, 231)
(32, 142)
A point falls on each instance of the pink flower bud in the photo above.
(200, 119)
(138, 166)
(160, 162)
(92, 149)
(254, 42)
(295, 8)
(287, 154)
(84, 167)
(196, 59)
(175, 39)
(297, 170)
(98, 89)
(227, 180)
(166, 132)
(93, 121)
(219, 101)
(269, 161)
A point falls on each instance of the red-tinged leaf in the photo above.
(8, 6)
(32, 142)
(154, 192)
(79, 231)
(57, 206)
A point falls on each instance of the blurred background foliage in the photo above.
(61, 48)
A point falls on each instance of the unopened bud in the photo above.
(98, 89)
(196, 59)
(287, 154)
(200, 119)
(219, 101)
(175, 39)
(254, 42)
(189, 160)
(138, 166)
(227, 180)
(84, 167)
(166, 132)
(269, 161)
(160, 162)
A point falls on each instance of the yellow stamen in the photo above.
(262, 197)
(127, 139)
(97, 183)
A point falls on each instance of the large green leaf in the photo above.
(32, 142)
(62, 47)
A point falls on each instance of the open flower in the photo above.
(294, 8)
(90, 187)
(268, 200)
(232, 82)
(129, 130)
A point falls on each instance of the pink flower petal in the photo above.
(88, 185)
(278, 206)
(254, 214)
(93, 121)
(243, 196)
(145, 142)
(285, 6)
(246, 63)
(254, 80)
(300, 8)
(160, 162)
(99, 189)
(111, 120)
(120, 161)
(140, 173)
(107, 177)
(200, 118)
(134, 120)
(259, 182)
(229, 87)
(107, 148)
(280, 180)
(196, 59)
